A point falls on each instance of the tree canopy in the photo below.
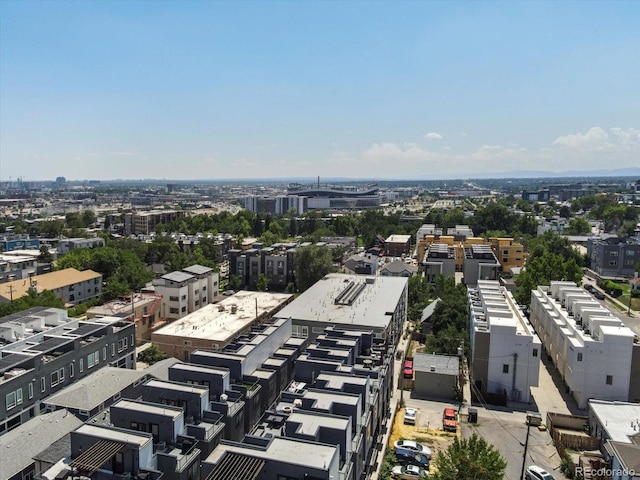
(469, 459)
(551, 257)
(311, 264)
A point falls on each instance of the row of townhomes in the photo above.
(596, 355)
(260, 386)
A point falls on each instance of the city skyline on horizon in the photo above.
(382, 90)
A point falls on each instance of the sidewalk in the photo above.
(395, 399)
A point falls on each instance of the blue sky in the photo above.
(380, 89)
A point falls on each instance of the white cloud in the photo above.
(594, 138)
(595, 149)
(433, 136)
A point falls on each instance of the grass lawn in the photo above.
(624, 298)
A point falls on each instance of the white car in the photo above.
(413, 446)
(410, 416)
(408, 472)
(534, 472)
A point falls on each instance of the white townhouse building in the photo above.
(598, 357)
(505, 351)
(186, 291)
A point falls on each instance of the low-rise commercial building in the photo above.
(215, 326)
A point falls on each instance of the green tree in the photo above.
(469, 459)
(235, 282)
(551, 257)
(45, 255)
(151, 355)
(262, 284)
(312, 263)
(578, 226)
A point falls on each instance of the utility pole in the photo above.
(11, 290)
(533, 419)
(524, 456)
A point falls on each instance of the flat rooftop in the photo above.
(619, 419)
(372, 308)
(221, 321)
(290, 450)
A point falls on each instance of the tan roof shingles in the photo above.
(48, 281)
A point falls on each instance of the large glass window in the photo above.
(14, 398)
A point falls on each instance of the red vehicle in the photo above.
(408, 369)
(449, 423)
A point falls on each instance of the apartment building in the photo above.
(183, 292)
(351, 302)
(597, 356)
(440, 259)
(213, 327)
(18, 242)
(505, 350)
(42, 351)
(144, 223)
(65, 245)
(14, 267)
(614, 257)
(143, 309)
(276, 262)
(397, 245)
(508, 252)
(71, 285)
(480, 263)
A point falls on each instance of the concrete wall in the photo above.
(435, 385)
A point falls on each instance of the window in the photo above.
(31, 390)
(579, 357)
(630, 253)
(184, 309)
(505, 368)
(14, 398)
(173, 310)
(113, 349)
(299, 331)
(43, 384)
(81, 365)
(71, 368)
(104, 353)
(609, 379)
(55, 379)
(535, 352)
(613, 263)
(187, 343)
(122, 344)
(132, 343)
(613, 254)
(173, 299)
(204, 289)
(184, 297)
(196, 292)
(93, 359)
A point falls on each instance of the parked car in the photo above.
(408, 369)
(412, 445)
(449, 421)
(408, 472)
(598, 294)
(408, 457)
(534, 472)
(589, 288)
(410, 416)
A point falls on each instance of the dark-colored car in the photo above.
(598, 294)
(408, 457)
